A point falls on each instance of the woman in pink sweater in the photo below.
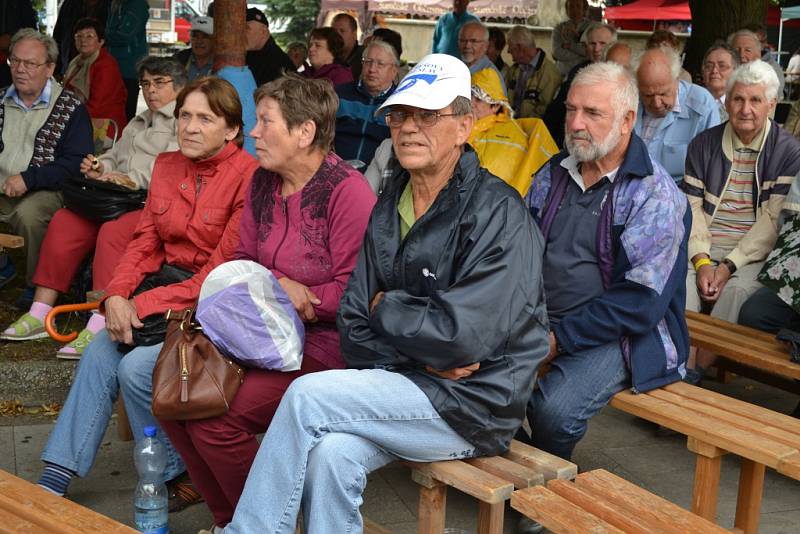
(304, 219)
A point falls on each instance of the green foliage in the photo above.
(301, 14)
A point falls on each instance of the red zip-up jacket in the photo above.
(179, 225)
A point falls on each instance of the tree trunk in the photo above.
(716, 19)
(230, 44)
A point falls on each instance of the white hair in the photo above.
(672, 57)
(755, 73)
(476, 23)
(598, 26)
(386, 47)
(521, 35)
(744, 33)
(626, 97)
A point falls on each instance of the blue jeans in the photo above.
(102, 372)
(575, 388)
(331, 429)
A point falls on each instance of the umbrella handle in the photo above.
(50, 319)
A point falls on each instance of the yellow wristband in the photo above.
(702, 261)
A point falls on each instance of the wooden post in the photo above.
(706, 478)
(432, 509)
(490, 517)
(751, 488)
(230, 44)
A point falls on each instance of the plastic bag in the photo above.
(245, 312)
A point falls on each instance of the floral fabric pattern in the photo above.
(781, 272)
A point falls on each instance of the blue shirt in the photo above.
(43, 98)
(445, 35)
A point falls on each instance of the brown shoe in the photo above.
(182, 493)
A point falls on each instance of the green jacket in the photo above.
(539, 91)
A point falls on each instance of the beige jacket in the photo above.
(145, 137)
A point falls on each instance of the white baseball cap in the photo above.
(203, 24)
(432, 84)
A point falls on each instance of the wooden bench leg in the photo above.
(751, 488)
(706, 479)
(432, 509)
(490, 517)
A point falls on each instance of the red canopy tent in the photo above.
(651, 10)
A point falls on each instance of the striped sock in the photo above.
(55, 478)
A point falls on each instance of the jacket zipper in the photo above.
(285, 206)
(184, 373)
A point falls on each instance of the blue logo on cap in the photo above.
(412, 80)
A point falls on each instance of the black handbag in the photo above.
(155, 326)
(100, 201)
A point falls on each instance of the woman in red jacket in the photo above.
(189, 225)
(94, 76)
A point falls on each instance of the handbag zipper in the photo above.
(184, 374)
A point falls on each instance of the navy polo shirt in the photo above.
(571, 270)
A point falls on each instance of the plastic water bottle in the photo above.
(150, 497)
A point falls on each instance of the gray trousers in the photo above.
(741, 285)
(28, 217)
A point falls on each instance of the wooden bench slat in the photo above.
(52, 513)
(778, 364)
(755, 426)
(643, 505)
(703, 427)
(702, 318)
(464, 477)
(718, 400)
(549, 465)
(737, 343)
(519, 475)
(558, 514)
(11, 241)
(610, 514)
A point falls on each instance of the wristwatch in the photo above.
(730, 265)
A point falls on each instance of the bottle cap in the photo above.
(150, 431)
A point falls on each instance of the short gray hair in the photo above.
(744, 33)
(386, 47)
(755, 73)
(598, 26)
(483, 26)
(163, 66)
(626, 98)
(50, 45)
(461, 106)
(521, 35)
(672, 57)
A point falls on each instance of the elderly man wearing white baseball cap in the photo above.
(199, 58)
(442, 326)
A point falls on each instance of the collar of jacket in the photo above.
(383, 94)
(208, 167)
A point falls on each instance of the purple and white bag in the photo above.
(246, 313)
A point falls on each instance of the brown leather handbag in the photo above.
(192, 379)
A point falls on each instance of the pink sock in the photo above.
(96, 323)
(40, 310)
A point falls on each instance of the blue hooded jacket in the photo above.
(358, 130)
(642, 241)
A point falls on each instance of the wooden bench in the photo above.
(717, 425)
(599, 501)
(745, 351)
(25, 507)
(490, 480)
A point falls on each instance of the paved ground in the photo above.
(617, 442)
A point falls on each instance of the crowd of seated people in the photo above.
(583, 203)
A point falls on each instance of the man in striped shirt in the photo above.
(737, 176)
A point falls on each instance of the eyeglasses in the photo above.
(158, 83)
(27, 64)
(423, 118)
(380, 64)
(472, 42)
(721, 67)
